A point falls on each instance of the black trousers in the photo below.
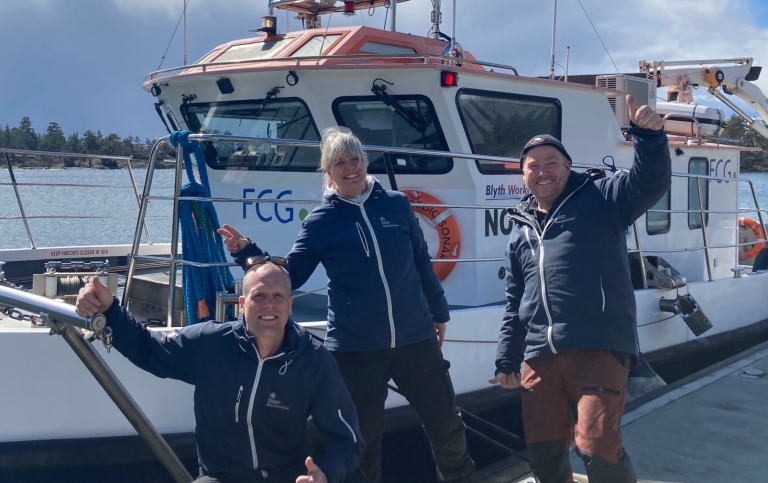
(421, 375)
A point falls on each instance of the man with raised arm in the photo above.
(571, 316)
(257, 380)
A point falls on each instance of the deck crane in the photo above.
(681, 77)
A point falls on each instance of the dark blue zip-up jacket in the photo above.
(382, 289)
(250, 413)
(568, 282)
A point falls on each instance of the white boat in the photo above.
(449, 128)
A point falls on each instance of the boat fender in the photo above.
(750, 224)
(441, 218)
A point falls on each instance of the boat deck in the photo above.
(708, 427)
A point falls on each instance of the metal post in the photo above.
(394, 16)
(175, 237)
(437, 14)
(140, 221)
(18, 200)
(453, 32)
(138, 198)
(757, 205)
(123, 400)
(640, 252)
(390, 171)
(704, 229)
(554, 28)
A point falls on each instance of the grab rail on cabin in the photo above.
(175, 261)
(297, 61)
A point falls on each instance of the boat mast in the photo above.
(554, 27)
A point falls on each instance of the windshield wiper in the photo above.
(415, 120)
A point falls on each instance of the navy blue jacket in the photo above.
(250, 413)
(568, 282)
(382, 289)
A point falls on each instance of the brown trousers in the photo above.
(588, 386)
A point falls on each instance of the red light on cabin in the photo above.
(349, 7)
(449, 79)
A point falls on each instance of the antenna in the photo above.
(567, 59)
(437, 17)
(185, 30)
(554, 28)
(453, 34)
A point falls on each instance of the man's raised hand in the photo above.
(644, 116)
(94, 298)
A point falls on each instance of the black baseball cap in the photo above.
(544, 140)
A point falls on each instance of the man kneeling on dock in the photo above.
(257, 380)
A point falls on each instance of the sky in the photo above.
(81, 63)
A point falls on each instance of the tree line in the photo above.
(740, 133)
(54, 139)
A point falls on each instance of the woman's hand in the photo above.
(233, 239)
(440, 331)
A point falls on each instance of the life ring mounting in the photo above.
(442, 220)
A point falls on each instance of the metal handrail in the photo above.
(425, 58)
(25, 218)
(176, 198)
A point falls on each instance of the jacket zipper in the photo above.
(602, 292)
(542, 281)
(254, 456)
(362, 239)
(237, 405)
(352, 432)
(383, 277)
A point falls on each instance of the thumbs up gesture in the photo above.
(644, 117)
(314, 473)
(94, 298)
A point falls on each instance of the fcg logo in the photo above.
(283, 214)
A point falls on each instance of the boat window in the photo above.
(500, 124)
(657, 222)
(287, 118)
(698, 166)
(253, 51)
(385, 49)
(312, 46)
(376, 124)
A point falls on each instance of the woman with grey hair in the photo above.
(386, 307)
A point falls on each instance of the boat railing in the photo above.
(17, 185)
(298, 61)
(175, 261)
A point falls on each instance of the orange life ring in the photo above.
(449, 245)
(750, 224)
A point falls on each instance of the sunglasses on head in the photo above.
(260, 260)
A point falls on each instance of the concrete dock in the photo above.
(711, 427)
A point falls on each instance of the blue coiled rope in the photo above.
(199, 240)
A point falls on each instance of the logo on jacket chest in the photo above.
(387, 224)
(275, 403)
